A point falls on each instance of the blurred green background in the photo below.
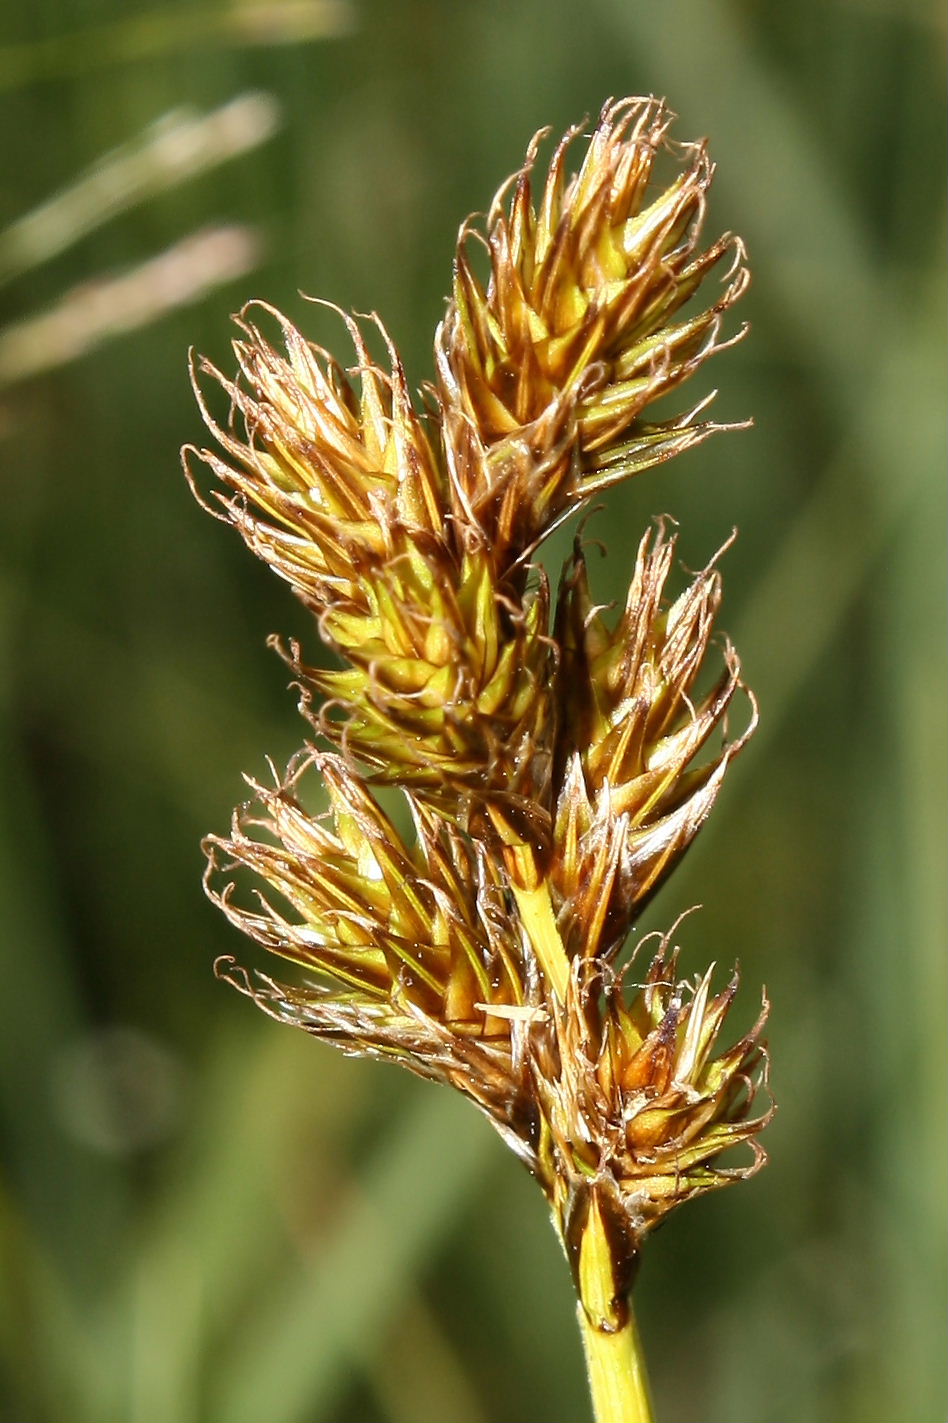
(205, 1218)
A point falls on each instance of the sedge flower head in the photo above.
(554, 764)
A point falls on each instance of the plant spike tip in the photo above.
(581, 324)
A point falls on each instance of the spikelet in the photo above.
(630, 796)
(323, 473)
(446, 690)
(579, 327)
(409, 951)
(341, 493)
(642, 1108)
(425, 923)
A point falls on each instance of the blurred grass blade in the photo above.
(170, 31)
(179, 146)
(296, 1351)
(269, 22)
(40, 1327)
(110, 306)
(418, 1376)
(818, 263)
(907, 460)
(221, 1227)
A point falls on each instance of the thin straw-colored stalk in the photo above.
(617, 1379)
(180, 146)
(117, 303)
(615, 1362)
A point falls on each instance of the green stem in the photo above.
(614, 1358)
(617, 1379)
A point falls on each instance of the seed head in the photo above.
(552, 779)
(642, 1108)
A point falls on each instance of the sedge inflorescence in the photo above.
(556, 758)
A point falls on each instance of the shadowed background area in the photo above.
(205, 1218)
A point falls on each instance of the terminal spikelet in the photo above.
(580, 325)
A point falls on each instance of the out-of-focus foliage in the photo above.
(204, 1219)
